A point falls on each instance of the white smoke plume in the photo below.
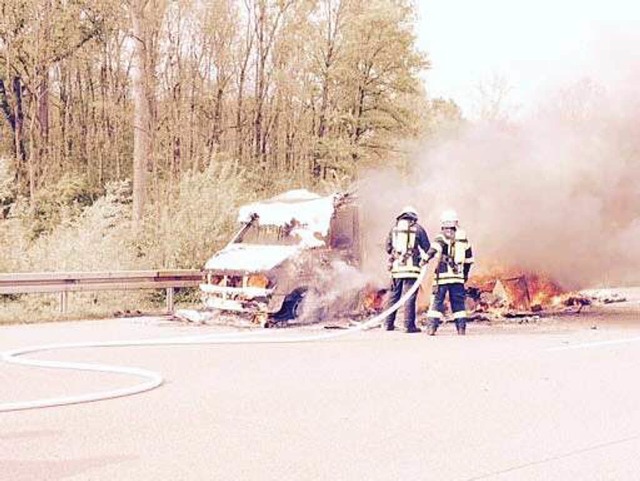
(557, 193)
(335, 292)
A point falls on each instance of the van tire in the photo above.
(292, 305)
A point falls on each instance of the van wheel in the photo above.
(292, 305)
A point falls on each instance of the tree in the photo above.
(152, 89)
(443, 117)
(146, 17)
(35, 38)
(380, 97)
(492, 102)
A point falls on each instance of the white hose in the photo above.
(154, 379)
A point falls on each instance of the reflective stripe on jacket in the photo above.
(407, 243)
(453, 255)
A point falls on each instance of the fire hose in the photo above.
(153, 379)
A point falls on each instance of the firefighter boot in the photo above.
(410, 324)
(461, 326)
(412, 328)
(433, 326)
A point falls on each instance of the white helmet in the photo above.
(449, 218)
(408, 211)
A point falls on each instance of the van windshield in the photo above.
(267, 235)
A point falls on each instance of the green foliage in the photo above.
(61, 203)
(36, 308)
(197, 220)
(14, 242)
(97, 237)
(443, 118)
(314, 90)
(7, 187)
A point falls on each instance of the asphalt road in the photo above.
(555, 400)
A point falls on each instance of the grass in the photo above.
(37, 308)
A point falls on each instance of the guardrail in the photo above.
(65, 282)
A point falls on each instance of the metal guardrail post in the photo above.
(64, 302)
(170, 291)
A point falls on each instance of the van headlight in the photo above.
(258, 280)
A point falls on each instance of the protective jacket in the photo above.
(455, 257)
(407, 245)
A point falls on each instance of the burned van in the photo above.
(283, 245)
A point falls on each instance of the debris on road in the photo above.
(605, 296)
(526, 296)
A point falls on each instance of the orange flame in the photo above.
(518, 290)
(373, 299)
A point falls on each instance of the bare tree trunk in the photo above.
(15, 117)
(261, 55)
(18, 132)
(334, 15)
(240, 106)
(141, 112)
(242, 77)
(216, 129)
(43, 107)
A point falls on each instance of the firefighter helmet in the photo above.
(449, 219)
(408, 211)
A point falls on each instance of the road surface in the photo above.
(554, 400)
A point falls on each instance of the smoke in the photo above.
(334, 293)
(556, 193)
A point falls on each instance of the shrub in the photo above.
(200, 218)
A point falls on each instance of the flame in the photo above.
(373, 299)
(512, 289)
(543, 290)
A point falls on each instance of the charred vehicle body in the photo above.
(283, 245)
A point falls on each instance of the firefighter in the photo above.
(455, 258)
(407, 246)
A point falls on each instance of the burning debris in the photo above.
(528, 295)
(372, 300)
(512, 293)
